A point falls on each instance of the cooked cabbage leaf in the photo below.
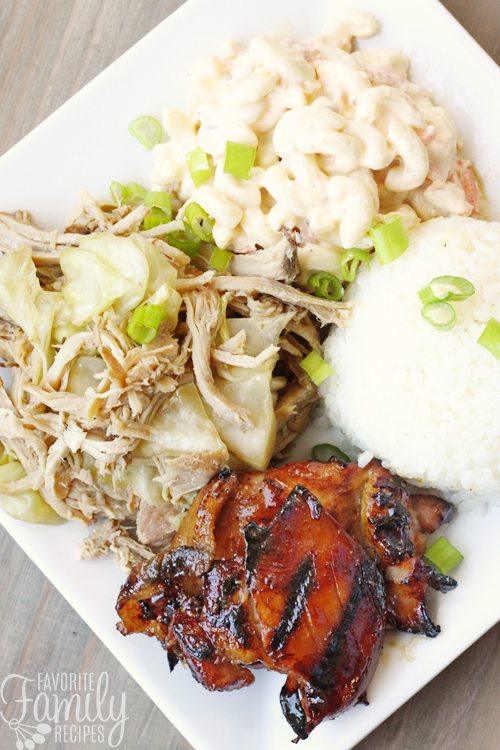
(28, 305)
(141, 477)
(28, 505)
(182, 427)
(160, 270)
(135, 479)
(260, 332)
(120, 272)
(104, 271)
(251, 389)
(82, 374)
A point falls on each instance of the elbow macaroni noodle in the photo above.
(344, 139)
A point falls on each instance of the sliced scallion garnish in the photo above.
(490, 337)
(426, 296)
(134, 193)
(185, 240)
(446, 288)
(200, 222)
(160, 204)
(350, 261)
(441, 315)
(154, 218)
(316, 367)
(127, 194)
(326, 285)
(443, 555)
(147, 130)
(389, 240)
(200, 166)
(159, 199)
(239, 159)
(325, 451)
(116, 190)
(220, 259)
(145, 321)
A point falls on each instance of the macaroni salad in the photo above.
(343, 138)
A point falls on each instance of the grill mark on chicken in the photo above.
(325, 673)
(224, 609)
(255, 538)
(300, 585)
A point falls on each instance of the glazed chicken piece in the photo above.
(371, 504)
(302, 598)
(281, 569)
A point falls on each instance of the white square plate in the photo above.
(86, 144)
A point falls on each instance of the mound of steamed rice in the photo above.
(426, 402)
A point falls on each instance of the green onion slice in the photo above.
(490, 337)
(451, 288)
(220, 259)
(389, 240)
(441, 315)
(145, 321)
(135, 193)
(426, 296)
(239, 159)
(443, 555)
(155, 217)
(147, 130)
(200, 222)
(316, 367)
(350, 260)
(117, 190)
(326, 285)
(325, 451)
(200, 166)
(159, 199)
(129, 194)
(446, 288)
(185, 240)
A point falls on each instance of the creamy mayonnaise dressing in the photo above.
(344, 139)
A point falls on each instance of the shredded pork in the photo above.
(84, 430)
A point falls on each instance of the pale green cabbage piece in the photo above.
(135, 479)
(120, 272)
(251, 389)
(141, 480)
(182, 427)
(161, 285)
(82, 374)
(104, 271)
(160, 270)
(25, 506)
(28, 305)
(261, 332)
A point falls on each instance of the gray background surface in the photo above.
(48, 50)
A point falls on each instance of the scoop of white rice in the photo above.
(426, 402)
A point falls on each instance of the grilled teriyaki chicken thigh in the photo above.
(281, 569)
(371, 504)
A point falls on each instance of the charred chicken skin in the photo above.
(285, 569)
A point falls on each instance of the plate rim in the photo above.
(11, 526)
